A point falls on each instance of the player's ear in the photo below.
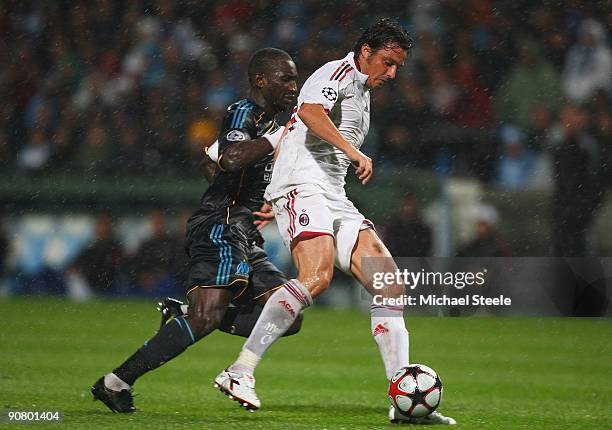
(365, 51)
(260, 80)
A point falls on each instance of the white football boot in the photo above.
(396, 417)
(239, 387)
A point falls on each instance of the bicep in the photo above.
(312, 112)
(237, 127)
(231, 137)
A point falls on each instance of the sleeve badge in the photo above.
(330, 94)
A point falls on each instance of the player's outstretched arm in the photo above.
(319, 123)
(242, 154)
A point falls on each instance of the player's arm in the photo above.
(238, 145)
(313, 115)
(237, 157)
(319, 95)
(242, 154)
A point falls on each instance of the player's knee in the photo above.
(318, 282)
(378, 249)
(205, 320)
(204, 325)
(372, 245)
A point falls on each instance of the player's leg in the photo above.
(388, 326)
(387, 322)
(242, 314)
(314, 260)
(264, 280)
(206, 309)
(261, 301)
(240, 321)
(216, 270)
(312, 247)
(309, 237)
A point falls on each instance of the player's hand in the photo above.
(264, 216)
(363, 166)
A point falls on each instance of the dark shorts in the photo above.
(222, 256)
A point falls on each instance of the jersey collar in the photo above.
(261, 109)
(361, 77)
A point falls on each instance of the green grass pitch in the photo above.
(498, 373)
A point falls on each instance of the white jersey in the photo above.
(304, 159)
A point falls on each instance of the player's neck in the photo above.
(360, 70)
(260, 101)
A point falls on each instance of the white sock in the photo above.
(279, 313)
(391, 336)
(247, 361)
(113, 382)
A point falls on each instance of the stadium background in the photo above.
(494, 140)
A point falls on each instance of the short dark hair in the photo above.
(384, 34)
(265, 59)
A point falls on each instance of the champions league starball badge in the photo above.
(330, 94)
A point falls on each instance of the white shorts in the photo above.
(304, 214)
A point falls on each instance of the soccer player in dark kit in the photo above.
(226, 262)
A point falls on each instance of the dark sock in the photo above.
(172, 339)
(240, 321)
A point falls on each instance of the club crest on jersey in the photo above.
(304, 219)
(330, 94)
(235, 136)
(242, 269)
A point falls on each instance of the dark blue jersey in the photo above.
(233, 196)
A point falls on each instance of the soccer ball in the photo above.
(415, 390)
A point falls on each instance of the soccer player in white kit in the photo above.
(318, 223)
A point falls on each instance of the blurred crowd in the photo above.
(143, 256)
(144, 259)
(134, 88)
